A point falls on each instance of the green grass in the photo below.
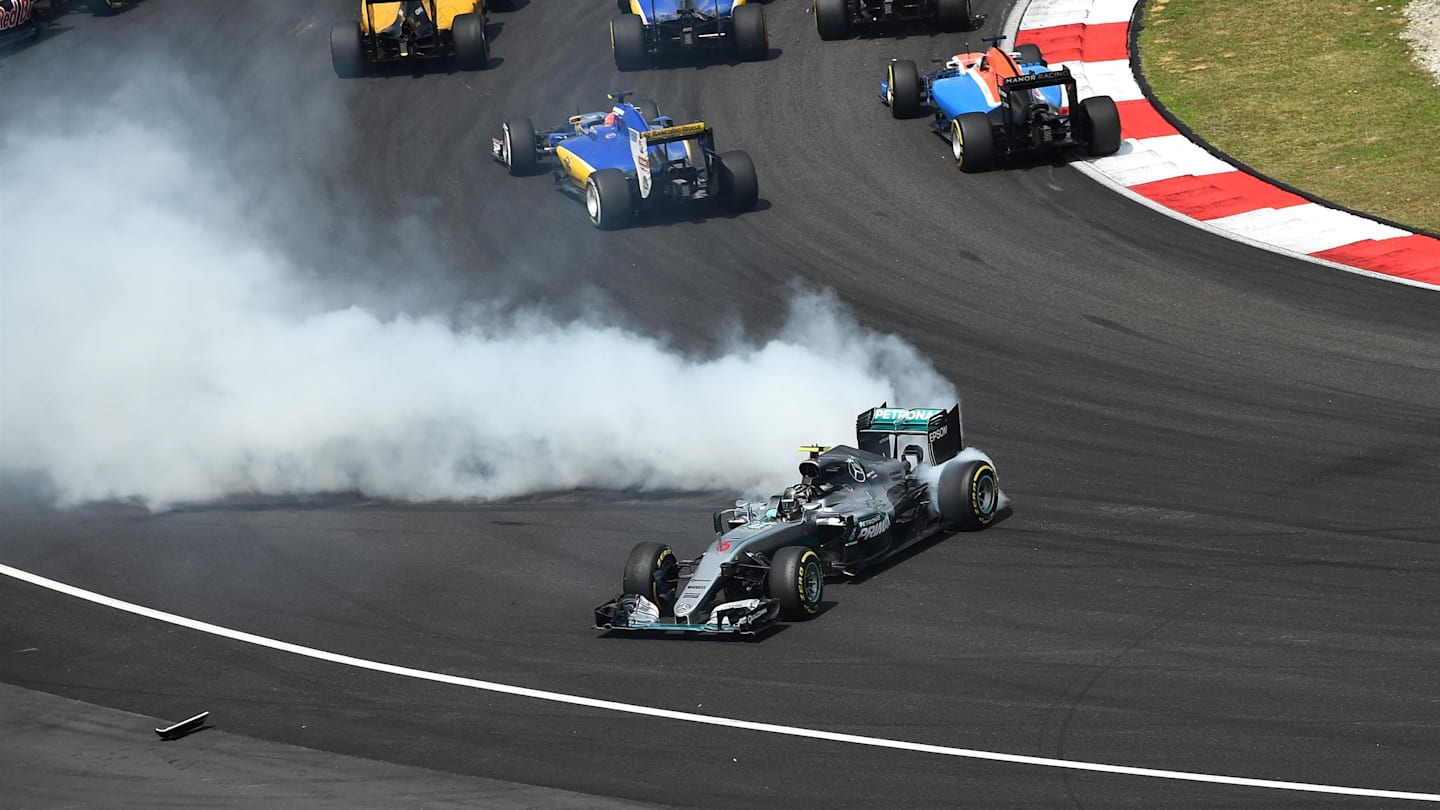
(1320, 94)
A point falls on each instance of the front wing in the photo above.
(632, 612)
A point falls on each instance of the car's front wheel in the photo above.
(517, 147)
(904, 89)
(608, 200)
(652, 571)
(797, 582)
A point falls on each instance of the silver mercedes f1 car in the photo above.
(910, 477)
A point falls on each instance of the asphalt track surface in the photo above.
(1225, 467)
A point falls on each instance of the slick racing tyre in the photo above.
(972, 141)
(652, 571)
(739, 185)
(623, 6)
(648, 109)
(797, 582)
(832, 19)
(627, 40)
(752, 44)
(1030, 52)
(954, 15)
(608, 200)
(1100, 124)
(517, 147)
(968, 494)
(903, 89)
(472, 48)
(347, 50)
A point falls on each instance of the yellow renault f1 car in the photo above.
(397, 30)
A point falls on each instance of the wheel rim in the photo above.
(890, 89)
(986, 494)
(812, 584)
(957, 143)
(505, 148)
(592, 202)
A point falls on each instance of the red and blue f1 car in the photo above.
(628, 159)
(999, 104)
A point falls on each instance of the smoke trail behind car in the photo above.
(156, 346)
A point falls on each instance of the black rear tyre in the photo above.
(1100, 122)
(517, 147)
(968, 494)
(652, 571)
(1030, 52)
(608, 200)
(739, 184)
(954, 15)
(752, 44)
(797, 581)
(972, 141)
(627, 40)
(472, 47)
(648, 109)
(904, 89)
(832, 19)
(347, 50)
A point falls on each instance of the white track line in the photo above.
(614, 706)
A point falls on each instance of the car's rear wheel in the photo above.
(972, 141)
(968, 494)
(652, 571)
(347, 49)
(832, 19)
(608, 199)
(954, 15)
(797, 582)
(623, 6)
(739, 184)
(1030, 52)
(627, 40)
(472, 47)
(752, 44)
(106, 7)
(904, 89)
(648, 109)
(517, 147)
(1100, 122)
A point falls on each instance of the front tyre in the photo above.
(797, 582)
(652, 571)
(972, 141)
(904, 89)
(472, 47)
(627, 41)
(739, 185)
(968, 494)
(608, 200)
(517, 147)
(752, 44)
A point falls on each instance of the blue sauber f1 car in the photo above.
(999, 104)
(648, 28)
(629, 159)
(910, 478)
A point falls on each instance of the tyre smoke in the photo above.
(156, 347)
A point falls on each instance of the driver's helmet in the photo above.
(610, 119)
(789, 506)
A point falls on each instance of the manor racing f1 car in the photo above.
(910, 477)
(628, 159)
(1000, 104)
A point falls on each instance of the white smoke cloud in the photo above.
(153, 348)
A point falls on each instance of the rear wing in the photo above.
(642, 142)
(942, 429)
(681, 132)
